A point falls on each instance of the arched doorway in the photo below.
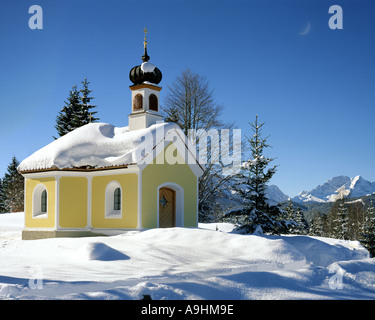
(167, 208)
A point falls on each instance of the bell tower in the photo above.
(145, 93)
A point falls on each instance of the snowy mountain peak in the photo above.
(337, 187)
(275, 195)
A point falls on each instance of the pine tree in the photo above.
(317, 225)
(68, 118)
(86, 114)
(301, 224)
(251, 186)
(341, 221)
(77, 110)
(294, 220)
(2, 197)
(13, 188)
(288, 215)
(368, 235)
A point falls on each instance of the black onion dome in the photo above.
(137, 76)
(145, 72)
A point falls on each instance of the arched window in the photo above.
(113, 200)
(153, 102)
(117, 199)
(40, 202)
(138, 102)
(43, 201)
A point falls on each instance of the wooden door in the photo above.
(167, 208)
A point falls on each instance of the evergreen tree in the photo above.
(301, 223)
(2, 197)
(288, 215)
(317, 225)
(13, 188)
(341, 221)
(294, 220)
(368, 235)
(77, 110)
(86, 114)
(68, 118)
(251, 185)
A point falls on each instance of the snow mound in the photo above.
(100, 251)
(12, 221)
(206, 249)
(324, 251)
(360, 271)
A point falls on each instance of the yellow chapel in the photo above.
(102, 180)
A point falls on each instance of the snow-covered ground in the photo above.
(178, 263)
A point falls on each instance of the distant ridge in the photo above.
(334, 188)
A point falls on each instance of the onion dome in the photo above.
(146, 72)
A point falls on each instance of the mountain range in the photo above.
(329, 191)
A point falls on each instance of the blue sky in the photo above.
(315, 92)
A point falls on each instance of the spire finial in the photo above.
(145, 41)
(145, 56)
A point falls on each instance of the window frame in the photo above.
(138, 102)
(110, 211)
(117, 199)
(40, 191)
(43, 201)
(153, 96)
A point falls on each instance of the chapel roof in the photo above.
(100, 145)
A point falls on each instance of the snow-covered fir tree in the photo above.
(317, 225)
(294, 219)
(13, 188)
(368, 235)
(301, 224)
(256, 215)
(341, 220)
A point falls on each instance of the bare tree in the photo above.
(190, 103)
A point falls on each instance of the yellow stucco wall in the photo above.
(73, 202)
(129, 200)
(155, 175)
(45, 221)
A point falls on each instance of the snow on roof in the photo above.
(97, 145)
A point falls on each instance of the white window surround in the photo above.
(179, 202)
(110, 212)
(37, 202)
